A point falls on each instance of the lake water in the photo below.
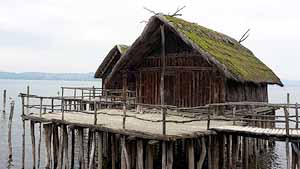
(51, 88)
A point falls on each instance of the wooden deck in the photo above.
(276, 133)
(147, 125)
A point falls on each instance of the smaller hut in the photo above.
(108, 63)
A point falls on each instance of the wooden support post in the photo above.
(164, 155)
(229, 151)
(40, 134)
(47, 136)
(125, 163)
(81, 149)
(11, 115)
(100, 150)
(125, 89)
(55, 145)
(24, 132)
(4, 101)
(62, 105)
(72, 147)
(113, 152)
(66, 148)
(140, 154)
(208, 118)
(61, 148)
(215, 152)
(149, 156)
(170, 155)
(33, 143)
(201, 143)
(209, 157)
(221, 150)
(92, 154)
(191, 154)
(27, 100)
(245, 153)
(235, 151)
(162, 77)
(95, 112)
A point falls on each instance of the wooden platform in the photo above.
(276, 133)
(147, 125)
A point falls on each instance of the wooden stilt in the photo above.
(113, 152)
(100, 150)
(209, 157)
(33, 144)
(55, 145)
(72, 146)
(245, 153)
(140, 154)
(125, 162)
(221, 150)
(191, 154)
(170, 155)
(201, 143)
(92, 154)
(235, 151)
(81, 149)
(229, 151)
(11, 115)
(40, 134)
(149, 156)
(164, 155)
(66, 148)
(47, 136)
(61, 148)
(23, 135)
(4, 101)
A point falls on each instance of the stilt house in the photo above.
(198, 65)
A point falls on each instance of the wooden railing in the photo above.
(252, 113)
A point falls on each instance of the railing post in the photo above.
(94, 94)
(27, 100)
(4, 100)
(208, 117)
(62, 104)
(164, 109)
(286, 114)
(23, 135)
(81, 101)
(52, 105)
(233, 115)
(95, 112)
(41, 106)
(297, 117)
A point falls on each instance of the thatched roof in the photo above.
(233, 59)
(115, 53)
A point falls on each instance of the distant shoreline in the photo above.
(48, 76)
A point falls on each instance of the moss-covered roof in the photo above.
(239, 61)
(116, 52)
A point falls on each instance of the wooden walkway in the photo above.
(257, 132)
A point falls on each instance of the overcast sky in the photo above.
(75, 35)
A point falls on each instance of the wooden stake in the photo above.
(81, 149)
(191, 154)
(40, 134)
(66, 148)
(170, 155)
(125, 163)
(203, 153)
(140, 154)
(23, 135)
(113, 152)
(55, 145)
(92, 155)
(164, 155)
(72, 147)
(235, 151)
(47, 132)
(4, 100)
(246, 153)
(149, 156)
(61, 148)
(100, 150)
(11, 114)
(33, 143)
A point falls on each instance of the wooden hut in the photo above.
(199, 66)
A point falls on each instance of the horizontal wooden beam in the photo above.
(178, 68)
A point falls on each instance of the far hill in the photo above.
(48, 76)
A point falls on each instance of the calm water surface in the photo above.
(272, 159)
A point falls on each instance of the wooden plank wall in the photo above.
(236, 92)
(195, 81)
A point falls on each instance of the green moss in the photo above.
(239, 60)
